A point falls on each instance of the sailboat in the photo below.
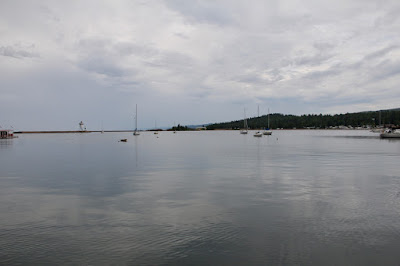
(380, 128)
(268, 131)
(155, 128)
(136, 132)
(244, 130)
(390, 133)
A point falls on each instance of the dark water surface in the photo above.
(196, 198)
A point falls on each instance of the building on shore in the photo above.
(6, 134)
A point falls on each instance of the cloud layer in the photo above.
(193, 61)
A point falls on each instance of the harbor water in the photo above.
(297, 197)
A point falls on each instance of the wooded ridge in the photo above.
(277, 120)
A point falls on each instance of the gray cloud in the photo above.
(197, 61)
(386, 69)
(102, 66)
(378, 54)
(202, 11)
(18, 52)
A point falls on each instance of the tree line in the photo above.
(361, 119)
(180, 128)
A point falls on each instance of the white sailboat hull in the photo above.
(393, 135)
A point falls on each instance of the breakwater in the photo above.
(68, 131)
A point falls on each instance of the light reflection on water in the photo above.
(296, 197)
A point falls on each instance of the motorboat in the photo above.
(258, 134)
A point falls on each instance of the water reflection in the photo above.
(6, 143)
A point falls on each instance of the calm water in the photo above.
(196, 198)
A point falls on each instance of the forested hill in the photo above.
(277, 120)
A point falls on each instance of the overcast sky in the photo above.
(193, 62)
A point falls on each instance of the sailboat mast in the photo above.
(244, 119)
(380, 118)
(268, 118)
(136, 119)
(136, 133)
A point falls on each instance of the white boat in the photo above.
(390, 134)
(136, 132)
(267, 131)
(245, 127)
(258, 134)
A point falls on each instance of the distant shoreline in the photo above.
(111, 131)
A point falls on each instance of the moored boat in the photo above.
(268, 131)
(245, 127)
(390, 134)
(136, 132)
(258, 134)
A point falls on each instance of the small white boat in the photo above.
(258, 134)
(390, 134)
